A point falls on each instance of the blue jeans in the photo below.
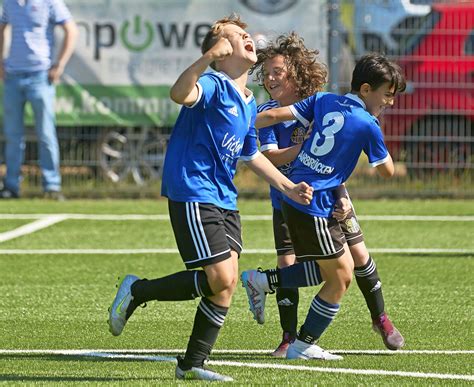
(35, 88)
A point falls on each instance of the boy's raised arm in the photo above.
(273, 116)
(184, 90)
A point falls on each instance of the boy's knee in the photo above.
(346, 280)
(223, 283)
(340, 282)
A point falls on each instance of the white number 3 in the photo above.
(336, 122)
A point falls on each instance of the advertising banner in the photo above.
(129, 53)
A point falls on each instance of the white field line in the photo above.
(175, 251)
(46, 220)
(418, 218)
(233, 351)
(32, 227)
(407, 374)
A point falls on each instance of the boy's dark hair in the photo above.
(303, 66)
(375, 69)
(215, 33)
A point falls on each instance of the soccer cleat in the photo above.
(118, 311)
(283, 346)
(301, 350)
(256, 285)
(198, 373)
(391, 337)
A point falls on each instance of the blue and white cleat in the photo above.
(118, 310)
(256, 285)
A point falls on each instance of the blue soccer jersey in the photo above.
(342, 129)
(207, 141)
(279, 136)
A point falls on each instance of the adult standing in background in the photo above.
(29, 74)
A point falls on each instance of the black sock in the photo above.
(185, 285)
(287, 299)
(299, 275)
(207, 323)
(304, 335)
(370, 285)
(273, 277)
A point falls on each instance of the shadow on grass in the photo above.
(37, 378)
(74, 358)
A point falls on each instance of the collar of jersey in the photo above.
(357, 99)
(248, 98)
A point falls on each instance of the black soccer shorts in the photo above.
(281, 234)
(313, 237)
(204, 233)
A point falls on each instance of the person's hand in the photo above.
(55, 73)
(301, 193)
(342, 208)
(221, 49)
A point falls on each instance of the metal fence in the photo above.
(429, 130)
(100, 161)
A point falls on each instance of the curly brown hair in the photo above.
(303, 66)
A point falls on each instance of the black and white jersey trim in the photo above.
(235, 241)
(324, 236)
(306, 256)
(196, 229)
(355, 237)
(211, 256)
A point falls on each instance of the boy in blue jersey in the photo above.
(214, 128)
(343, 127)
(289, 71)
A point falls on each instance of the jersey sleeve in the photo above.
(267, 136)
(375, 147)
(304, 110)
(207, 87)
(59, 12)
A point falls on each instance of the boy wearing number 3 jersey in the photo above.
(343, 127)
